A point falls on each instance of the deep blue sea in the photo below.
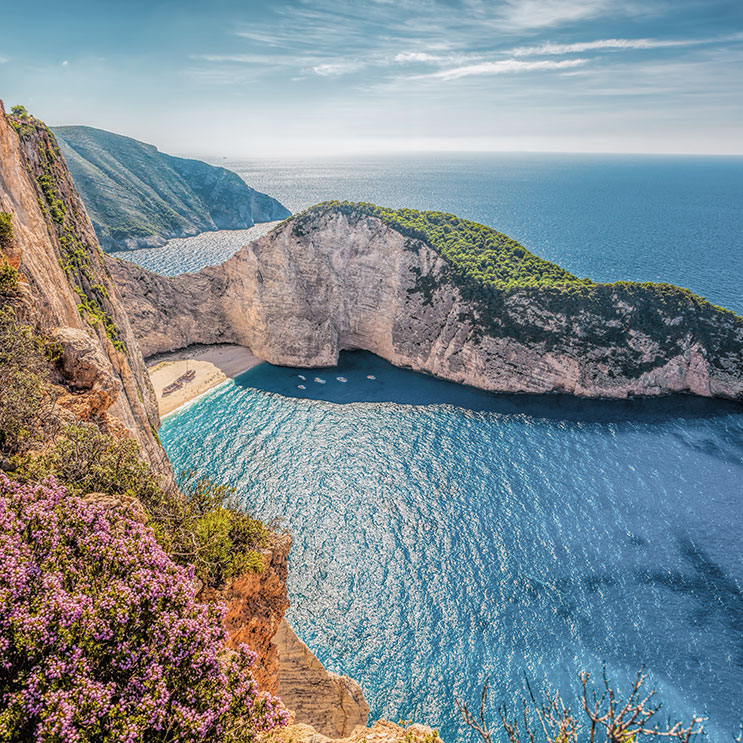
(444, 535)
(675, 219)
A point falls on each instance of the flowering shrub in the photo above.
(200, 523)
(101, 638)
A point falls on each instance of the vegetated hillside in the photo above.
(488, 267)
(434, 293)
(137, 196)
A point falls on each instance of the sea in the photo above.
(445, 536)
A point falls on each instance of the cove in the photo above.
(443, 535)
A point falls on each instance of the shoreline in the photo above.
(212, 365)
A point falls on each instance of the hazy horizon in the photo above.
(320, 77)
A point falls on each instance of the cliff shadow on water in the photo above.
(362, 377)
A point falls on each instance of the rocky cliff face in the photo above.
(140, 197)
(334, 280)
(256, 603)
(66, 291)
(333, 705)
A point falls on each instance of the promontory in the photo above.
(434, 293)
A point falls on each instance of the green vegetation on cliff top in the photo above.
(484, 262)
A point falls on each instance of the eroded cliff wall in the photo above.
(66, 291)
(333, 280)
(334, 705)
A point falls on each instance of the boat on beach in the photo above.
(171, 388)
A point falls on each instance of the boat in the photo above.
(172, 388)
(370, 376)
(301, 376)
(341, 379)
(301, 387)
(319, 381)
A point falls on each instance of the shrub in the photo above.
(6, 230)
(8, 277)
(605, 716)
(209, 528)
(88, 460)
(101, 638)
(200, 524)
(25, 398)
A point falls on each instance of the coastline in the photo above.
(211, 365)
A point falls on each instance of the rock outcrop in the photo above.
(335, 279)
(333, 705)
(65, 290)
(139, 197)
(382, 731)
(256, 603)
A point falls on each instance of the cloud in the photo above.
(504, 66)
(336, 69)
(260, 36)
(517, 15)
(585, 46)
(3, 60)
(405, 57)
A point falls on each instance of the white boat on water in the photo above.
(319, 381)
(370, 376)
(301, 387)
(302, 377)
(341, 379)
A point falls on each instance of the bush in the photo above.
(8, 277)
(26, 400)
(101, 638)
(88, 460)
(200, 524)
(6, 230)
(209, 528)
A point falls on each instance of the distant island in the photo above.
(139, 197)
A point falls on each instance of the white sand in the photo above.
(212, 364)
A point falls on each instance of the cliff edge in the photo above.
(65, 290)
(437, 294)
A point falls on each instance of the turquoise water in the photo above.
(675, 219)
(442, 535)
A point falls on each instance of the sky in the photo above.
(321, 77)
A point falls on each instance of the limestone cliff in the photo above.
(66, 291)
(256, 603)
(333, 705)
(340, 277)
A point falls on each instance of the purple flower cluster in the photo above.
(102, 639)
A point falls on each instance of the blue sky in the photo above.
(221, 77)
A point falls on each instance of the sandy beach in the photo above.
(212, 364)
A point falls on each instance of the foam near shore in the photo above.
(212, 366)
